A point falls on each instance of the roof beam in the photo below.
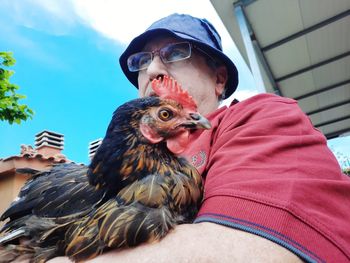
(266, 66)
(330, 87)
(335, 134)
(306, 31)
(328, 107)
(319, 64)
(246, 32)
(253, 49)
(332, 121)
(247, 2)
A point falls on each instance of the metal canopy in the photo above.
(302, 50)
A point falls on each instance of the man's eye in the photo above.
(165, 114)
(144, 61)
(175, 54)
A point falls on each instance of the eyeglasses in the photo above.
(169, 53)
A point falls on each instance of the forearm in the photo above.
(204, 242)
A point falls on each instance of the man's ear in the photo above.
(221, 79)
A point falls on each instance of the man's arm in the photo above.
(203, 242)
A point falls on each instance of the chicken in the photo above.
(136, 189)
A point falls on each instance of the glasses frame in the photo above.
(158, 52)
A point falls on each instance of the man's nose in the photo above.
(156, 68)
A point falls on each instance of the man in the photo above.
(273, 190)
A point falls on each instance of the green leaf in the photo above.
(11, 109)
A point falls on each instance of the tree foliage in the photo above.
(343, 160)
(10, 108)
(347, 171)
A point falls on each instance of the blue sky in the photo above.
(67, 65)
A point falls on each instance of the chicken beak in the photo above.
(197, 121)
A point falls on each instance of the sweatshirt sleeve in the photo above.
(270, 172)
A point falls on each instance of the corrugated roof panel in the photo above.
(289, 57)
(329, 41)
(270, 24)
(332, 73)
(317, 78)
(330, 114)
(325, 98)
(298, 86)
(328, 130)
(315, 11)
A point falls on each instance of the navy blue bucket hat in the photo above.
(185, 27)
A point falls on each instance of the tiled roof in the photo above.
(59, 158)
(29, 154)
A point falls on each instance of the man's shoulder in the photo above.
(262, 108)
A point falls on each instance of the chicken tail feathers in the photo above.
(15, 253)
(32, 238)
(114, 226)
(25, 253)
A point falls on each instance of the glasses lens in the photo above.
(139, 61)
(175, 52)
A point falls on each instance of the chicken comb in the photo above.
(168, 88)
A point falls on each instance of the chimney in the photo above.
(49, 143)
(93, 146)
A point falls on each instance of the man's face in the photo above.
(193, 74)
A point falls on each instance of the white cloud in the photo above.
(117, 20)
(124, 21)
(53, 17)
(60, 10)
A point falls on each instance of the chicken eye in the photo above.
(165, 114)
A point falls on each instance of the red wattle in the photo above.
(178, 143)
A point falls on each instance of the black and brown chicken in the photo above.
(135, 189)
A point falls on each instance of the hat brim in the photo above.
(138, 43)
